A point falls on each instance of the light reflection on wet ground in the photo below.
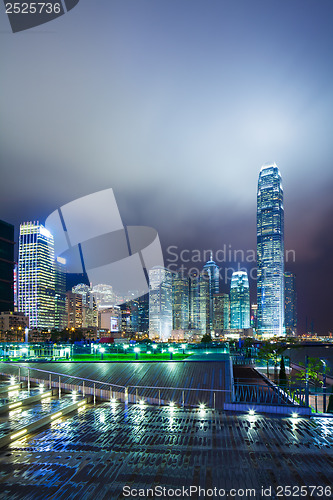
(21, 417)
(18, 396)
(97, 451)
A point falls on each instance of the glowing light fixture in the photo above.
(18, 434)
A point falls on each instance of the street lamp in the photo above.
(102, 351)
(136, 350)
(155, 347)
(125, 348)
(171, 352)
(183, 346)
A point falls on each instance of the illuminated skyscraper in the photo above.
(143, 310)
(270, 252)
(6, 267)
(254, 316)
(60, 316)
(36, 275)
(180, 302)
(204, 304)
(239, 300)
(221, 311)
(211, 271)
(194, 312)
(290, 303)
(160, 303)
(89, 308)
(74, 310)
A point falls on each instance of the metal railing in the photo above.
(178, 396)
(266, 394)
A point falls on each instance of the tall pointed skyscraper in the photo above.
(270, 252)
(211, 273)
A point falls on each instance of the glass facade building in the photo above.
(89, 307)
(239, 301)
(270, 252)
(180, 302)
(60, 317)
(194, 302)
(204, 304)
(36, 278)
(211, 272)
(143, 311)
(290, 303)
(221, 311)
(160, 304)
(6, 267)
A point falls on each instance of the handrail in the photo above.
(177, 388)
(69, 376)
(122, 386)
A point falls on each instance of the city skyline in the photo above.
(270, 264)
(177, 117)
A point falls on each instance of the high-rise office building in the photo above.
(194, 301)
(290, 303)
(239, 300)
(36, 275)
(221, 303)
(74, 310)
(211, 271)
(104, 296)
(60, 316)
(143, 312)
(270, 252)
(6, 267)
(130, 316)
(89, 307)
(180, 302)
(160, 303)
(204, 304)
(254, 316)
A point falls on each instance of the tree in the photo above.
(315, 369)
(282, 374)
(206, 338)
(266, 354)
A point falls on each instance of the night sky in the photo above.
(176, 104)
